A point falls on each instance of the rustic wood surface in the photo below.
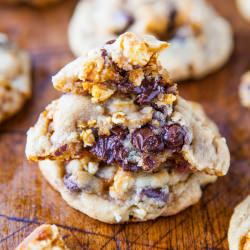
(26, 200)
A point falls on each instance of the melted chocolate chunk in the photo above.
(155, 193)
(110, 41)
(119, 132)
(131, 167)
(61, 150)
(104, 53)
(174, 137)
(110, 148)
(178, 163)
(148, 91)
(172, 20)
(125, 86)
(70, 184)
(104, 148)
(145, 140)
(149, 163)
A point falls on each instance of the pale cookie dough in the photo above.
(36, 3)
(244, 8)
(244, 90)
(201, 40)
(239, 228)
(45, 237)
(15, 82)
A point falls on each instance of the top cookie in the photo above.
(15, 84)
(201, 40)
(239, 228)
(127, 66)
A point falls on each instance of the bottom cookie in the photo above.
(239, 228)
(161, 194)
(45, 237)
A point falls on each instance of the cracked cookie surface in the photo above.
(15, 82)
(45, 237)
(239, 228)
(201, 40)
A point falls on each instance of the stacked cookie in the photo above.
(121, 144)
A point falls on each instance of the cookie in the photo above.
(72, 126)
(244, 8)
(244, 90)
(15, 82)
(35, 3)
(122, 136)
(45, 237)
(239, 228)
(201, 40)
(118, 196)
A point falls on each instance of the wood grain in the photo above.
(26, 200)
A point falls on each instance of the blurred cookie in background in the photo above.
(239, 229)
(15, 82)
(244, 90)
(45, 237)
(36, 3)
(244, 8)
(201, 40)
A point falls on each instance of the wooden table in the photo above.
(26, 199)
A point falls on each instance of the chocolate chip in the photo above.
(104, 53)
(178, 163)
(149, 163)
(174, 137)
(146, 141)
(61, 150)
(70, 184)
(103, 149)
(120, 132)
(131, 167)
(110, 41)
(125, 86)
(148, 91)
(110, 148)
(155, 193)
(172, 20)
